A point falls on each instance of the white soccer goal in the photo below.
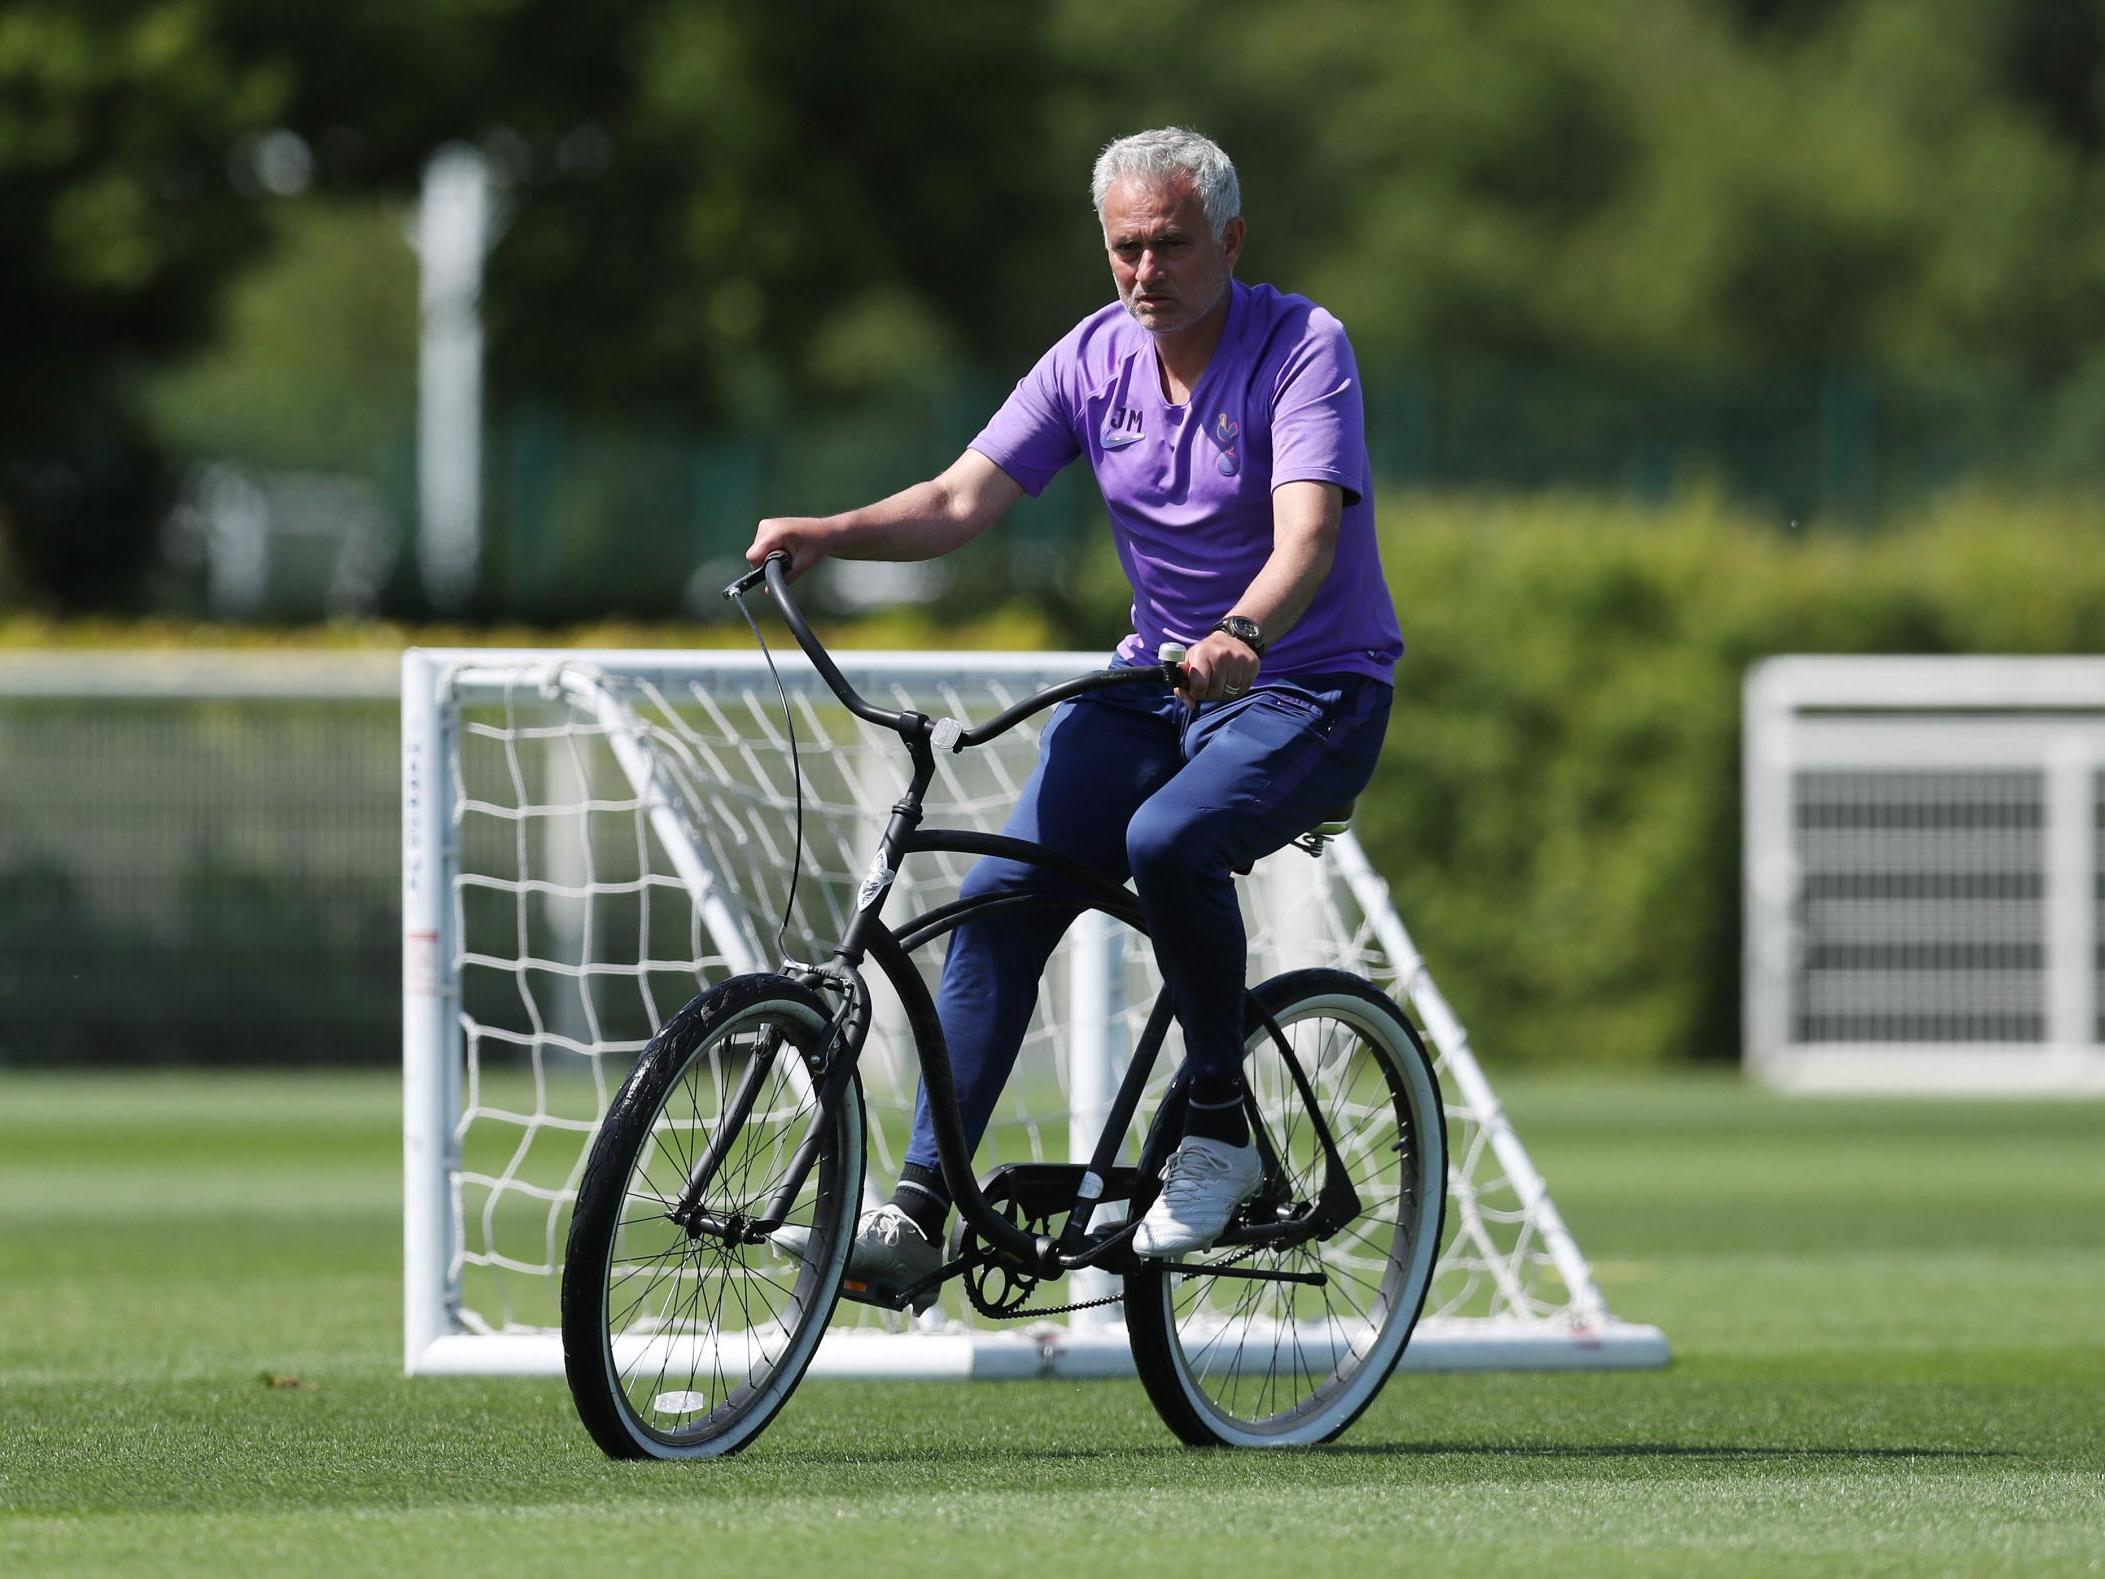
(589, 838)
(1925, 876)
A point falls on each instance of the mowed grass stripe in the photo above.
(1886, 1519)
(1883, 1314)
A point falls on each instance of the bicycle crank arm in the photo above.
(1114, 1251)
(1254, 1274)
(1298, 1229)
(1104, 1245)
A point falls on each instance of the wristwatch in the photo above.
(1244, 631)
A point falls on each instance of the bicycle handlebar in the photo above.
(909, 725)
(901, 723)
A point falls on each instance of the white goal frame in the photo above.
(1503, 1197)
(1923, 850)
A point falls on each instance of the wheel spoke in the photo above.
(695, 1328)
(1268, 1356)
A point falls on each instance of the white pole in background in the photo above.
(1095, 993)
(429, 1020)
(2071, 870)
(452, 237)
(1772, 880)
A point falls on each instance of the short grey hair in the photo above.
(1164, 154)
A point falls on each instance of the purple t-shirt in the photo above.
(1189, 488)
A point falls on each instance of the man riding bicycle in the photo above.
(1224, 425)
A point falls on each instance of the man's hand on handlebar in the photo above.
(802, 537)
(1217, 668)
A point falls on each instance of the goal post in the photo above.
(591, 837)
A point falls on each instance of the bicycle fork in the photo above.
(833, 1065)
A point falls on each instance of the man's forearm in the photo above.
(1304, 546)
(925, 521)
(1286, 586)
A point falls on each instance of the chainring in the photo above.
(998, 1288)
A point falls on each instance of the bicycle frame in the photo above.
(868, 939)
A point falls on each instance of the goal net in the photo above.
(590, 838)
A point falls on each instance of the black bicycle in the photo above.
(689, 1317)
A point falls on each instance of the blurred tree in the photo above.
(314, 365)
(721, 213)
(711, 206)
(117, 223)
(1652, 188)
(725, 210)
(833, 202)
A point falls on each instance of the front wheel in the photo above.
(684, 1342)
(1238, 1362)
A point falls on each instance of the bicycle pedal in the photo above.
(914, 1296)
(877, 1294)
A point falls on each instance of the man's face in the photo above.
(1169, 270)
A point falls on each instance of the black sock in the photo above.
(1214, 1110)
(922, 1197)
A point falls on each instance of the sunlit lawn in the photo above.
(1885, 1319)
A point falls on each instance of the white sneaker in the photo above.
(890, 1253)
(1205, 1182)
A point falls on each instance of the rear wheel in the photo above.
(685, 1344)
(1240, 1362)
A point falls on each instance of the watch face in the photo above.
(1244, 630)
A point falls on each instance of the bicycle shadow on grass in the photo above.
(1669, 1450)
(1427, 1452)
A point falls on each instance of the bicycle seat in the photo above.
(1335, 823)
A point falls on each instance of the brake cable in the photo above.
(796, 762)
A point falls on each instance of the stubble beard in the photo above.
(1138, 310)
(1179, 307)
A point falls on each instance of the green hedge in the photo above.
(1002, 629)
(1559, 803)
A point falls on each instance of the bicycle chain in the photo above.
(1056, 1310)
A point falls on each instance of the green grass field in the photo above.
(1886, 1322)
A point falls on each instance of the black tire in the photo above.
(1234, 1362)
(686, 1347)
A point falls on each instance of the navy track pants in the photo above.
(1133, 783)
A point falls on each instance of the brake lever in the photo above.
(752, 578)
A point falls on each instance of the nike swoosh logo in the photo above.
(1118, 441)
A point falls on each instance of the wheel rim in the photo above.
(1289, 1362)
(697, 1327)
